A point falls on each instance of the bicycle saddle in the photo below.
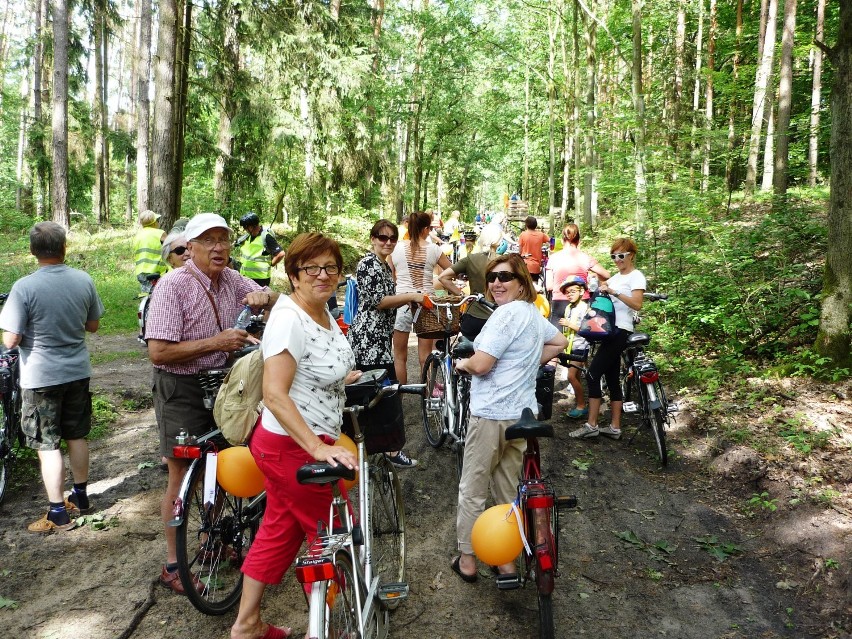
(463, 348)
(639, 339)
(528, 426)
(323, 473)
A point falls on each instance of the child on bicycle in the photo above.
(573, 288)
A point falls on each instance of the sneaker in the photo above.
(585, 432)
(578, 413)
(401, 460)
(611, 432)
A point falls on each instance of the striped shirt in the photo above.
(180, 311)
(414, 267)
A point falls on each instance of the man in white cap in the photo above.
(146, 248)
(189, 329)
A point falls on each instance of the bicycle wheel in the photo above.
(545, 616)
(338, 605)
(541, 530)
(212, 542)
(463, 417)
(434, 402)
(387, 521)
(7, 443)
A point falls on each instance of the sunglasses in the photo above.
(503, 276)
(381, 237)
(619, 256)
(180, 250)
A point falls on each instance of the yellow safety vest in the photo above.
(255, 265)
(147, 246)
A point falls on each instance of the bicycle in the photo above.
(151, 280)
(10, 406)
(446, 401)
(643, 391)
(355, 571)
(540, 508)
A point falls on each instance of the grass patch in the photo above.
(115, 356)
(104, 416)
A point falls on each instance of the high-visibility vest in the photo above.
(255, 265)
(147, 246)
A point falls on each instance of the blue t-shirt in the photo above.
(515, 334)
(49, 310)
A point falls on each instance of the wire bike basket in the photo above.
(438, 316)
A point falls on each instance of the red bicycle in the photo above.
(540, 506)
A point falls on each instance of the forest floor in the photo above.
(692, 552)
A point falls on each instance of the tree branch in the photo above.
(603, 26)
(830, 53)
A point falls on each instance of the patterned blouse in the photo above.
(371, 331)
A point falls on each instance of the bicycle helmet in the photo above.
(249, 219)
(573, 280)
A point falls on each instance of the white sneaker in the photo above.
(584, 432)
(611, 432)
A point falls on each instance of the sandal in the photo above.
(465, 577)
(44, 525)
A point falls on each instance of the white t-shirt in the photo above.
(625, 285)
(414, 269)
(515, 334)
(323, 358)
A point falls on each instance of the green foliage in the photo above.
(719, 550)
(762, 502)
(802, 440)
(103, 416)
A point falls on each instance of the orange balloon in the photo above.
(495, 537)
(238, 473)
(542, 305)
(349, 445)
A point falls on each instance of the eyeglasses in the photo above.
(381, 237)
(619, 256)
(503, 276)
(211, 242)
(313, 270)
(178, 250)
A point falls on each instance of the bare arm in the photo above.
(161, 351)
(278, 373)
(276, 258)
(444, 263)
(600, 271)
(479, 363)
(10, 339)
(395, 301)
(553, 347)
(92, 326)
(447, 277)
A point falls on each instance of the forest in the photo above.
(704, 129)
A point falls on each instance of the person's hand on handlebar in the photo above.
(352, 377)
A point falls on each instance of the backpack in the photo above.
(239, 401)
(350, 301)
(598, 324)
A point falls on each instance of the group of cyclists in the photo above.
(307, 359)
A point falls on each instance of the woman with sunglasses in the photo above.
(566, 263)
(413, 262)
(175, 251)
(626, 289)
(512, 345)
(372, 329)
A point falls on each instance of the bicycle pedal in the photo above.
(566, 501)
(629, 407)
(391, 592)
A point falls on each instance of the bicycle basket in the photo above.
(434, 323)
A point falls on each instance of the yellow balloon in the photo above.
(349, 445)
(542, 305)
(238, 473)
(495, 537)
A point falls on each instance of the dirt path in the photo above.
(641, 556)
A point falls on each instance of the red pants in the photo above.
(292, 509)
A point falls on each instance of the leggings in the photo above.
(607, 364)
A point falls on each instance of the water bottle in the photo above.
(243, 319)
(592, 283)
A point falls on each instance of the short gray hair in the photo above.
(47, 240)
(174, 234)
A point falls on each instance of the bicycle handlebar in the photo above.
(656, 297)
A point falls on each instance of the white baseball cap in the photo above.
(202, 223)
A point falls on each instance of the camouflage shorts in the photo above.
(53, 413)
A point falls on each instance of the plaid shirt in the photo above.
(180, 311)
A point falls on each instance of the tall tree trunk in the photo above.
(525, 186)
(708, 98)
(578, 200)
(59, 120)
(816, 97)
(100, 200)
(143, 105)
(182, 94)
(590, 196)
(696, 94)
(785, 100)
(38, 132)
(769, 143)
(639, 115)
(417, 137)
(229, 17)
(163, 195)
(552, 27)
(764, 72)
(23, 178)
(570, 106)
(834, 339)
(734, 104)
(677, 89)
